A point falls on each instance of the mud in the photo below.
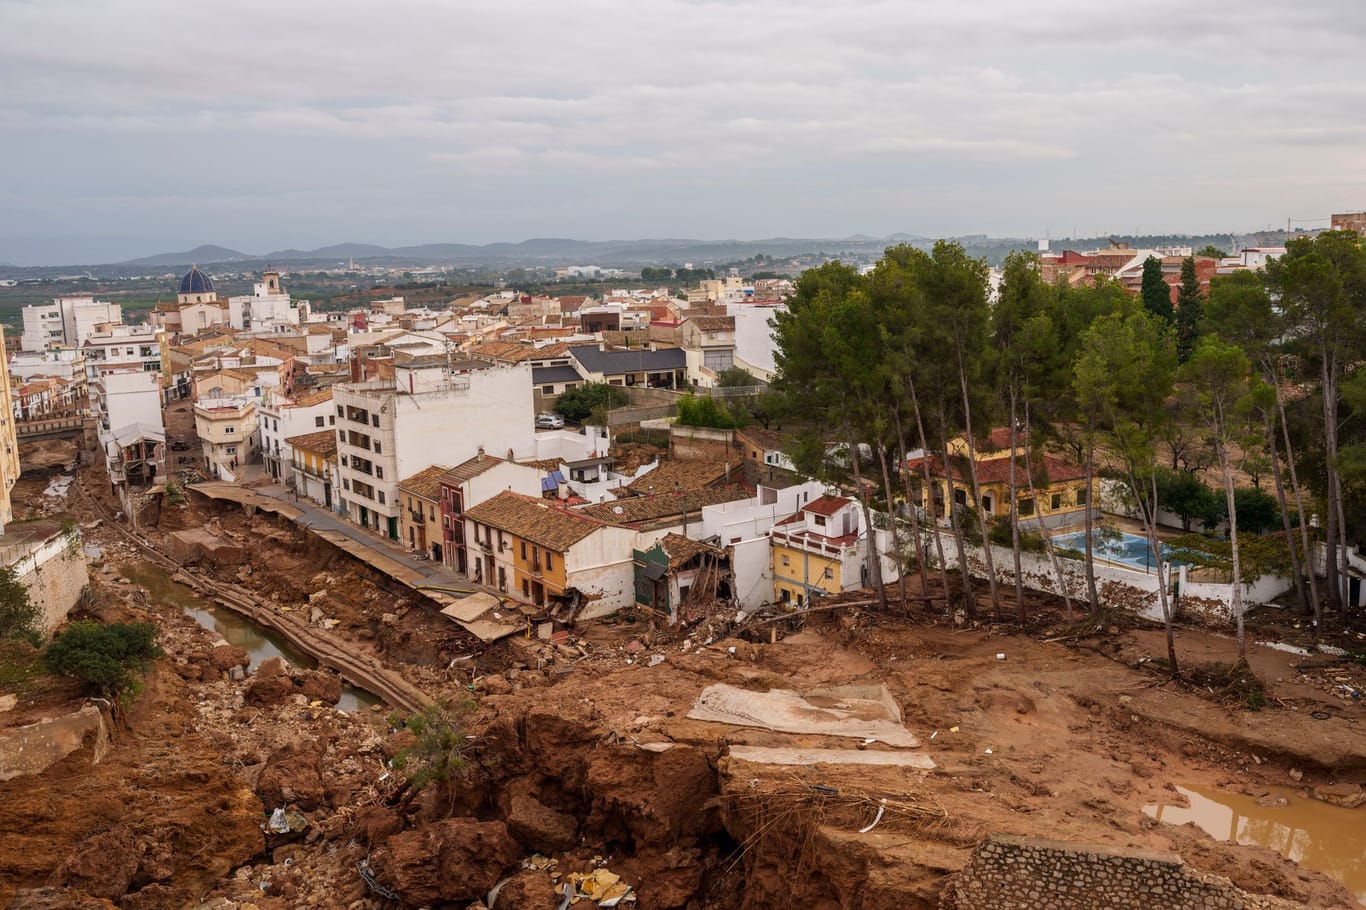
(583, 754)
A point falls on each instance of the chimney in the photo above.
(481, 453)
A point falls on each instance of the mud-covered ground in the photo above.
(583, 757)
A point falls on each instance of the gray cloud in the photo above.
(262, 124)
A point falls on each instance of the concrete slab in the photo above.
(865, 712)
(761, 755)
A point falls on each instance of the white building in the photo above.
(268, 306)
(282, 417)
(127, 405)
(429, 413)
(66, 321)
(228, 434)
(743, 528)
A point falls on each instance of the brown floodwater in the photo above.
(1315, 834)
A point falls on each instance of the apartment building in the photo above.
(467, 485)
(426, 411)
(125, 348)
(132, 435)
(66, 321)
(282, 417)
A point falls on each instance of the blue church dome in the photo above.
(196, 282)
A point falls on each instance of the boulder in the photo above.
(527, 889)
(102, 865)
(539, 827)
(293, 776)
(458, 859)
(1348, 796)
(377, 824)
(225, 657)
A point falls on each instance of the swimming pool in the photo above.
(1129, 549)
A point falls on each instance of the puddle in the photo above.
(235, 629)
(1318, 836)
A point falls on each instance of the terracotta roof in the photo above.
(689, 475)
(468, 469)
(713, 323)
(535, 520)
(997, 470)
(768, 440)
(826, 505)
(322, 442)
(635, 509)
(681, 549)
(312, 398)
(425, 483)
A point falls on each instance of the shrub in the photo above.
(439, 751)
(18, 614)
(107, 658)
(705, 412)
(584, 401)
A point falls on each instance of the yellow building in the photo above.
(1060, 496)
(9, 444)
(313, 466)
(419, 517)
(819, 550)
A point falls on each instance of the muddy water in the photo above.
(235, 628)
(1314, 834)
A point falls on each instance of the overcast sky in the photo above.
(139, 126)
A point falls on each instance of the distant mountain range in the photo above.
(562, 251)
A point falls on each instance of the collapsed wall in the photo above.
(1024, 873)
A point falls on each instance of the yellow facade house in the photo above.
(818, 550)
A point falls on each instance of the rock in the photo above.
(494, 684)
(1296, 774)
(1273, 801)
(458, 859)
(540, 827)
(57, 899)
(377, 824)
(293, 775)
(225, 657)
(102, 865)
(528, 888)
(319, 685)
(1348, 796)
(268, 690)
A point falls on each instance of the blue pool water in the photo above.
(1129, 549)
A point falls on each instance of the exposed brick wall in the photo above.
(1019, 873)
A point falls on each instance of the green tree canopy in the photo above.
(1189, 310)
(18, 614)
(1154, 290)
(590, 399)
(108, 658)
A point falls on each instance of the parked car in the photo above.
(179, 446)
(549, 422)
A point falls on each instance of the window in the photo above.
(381, 497)
(820, 521)
(1027, 506)
(1056, 502)
(346, 485)
(379, 472)
(377, 448)
(374, 420)
(526, 588)
(339, 411)
(524, 549)
(231, 450)
(547, 390)
(331, 421)
(786, 561)
(230, 430)
(318, 421)
(502, 579)
(549, 560)
(1081, 496)
(829, 573)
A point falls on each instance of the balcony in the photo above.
(417, 518)
(536, 568)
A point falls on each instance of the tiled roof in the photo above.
(681, 549)
(689, 475)
(826, 505)
(997, 470)
(322, 442)
(713, 323)
(535, 520)
(543, 375)
(636, 509)
(425, 483)
(767, 440)
(316, 397)
(468, 469)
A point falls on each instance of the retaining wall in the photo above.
(55, 574)
(1019, 873)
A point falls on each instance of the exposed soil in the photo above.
(583, 755)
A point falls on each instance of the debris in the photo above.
(1000, 655)
(367, 875)
(953, 729)
(1296, 774)
(881, 808)
(986, 751)
(286, 822)
(656, 660)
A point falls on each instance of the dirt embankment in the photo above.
(584, 761)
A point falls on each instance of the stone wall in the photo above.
(1020, 873)
(701, 444)
(55, 574)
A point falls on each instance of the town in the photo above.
(917, 564)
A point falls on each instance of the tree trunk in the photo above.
(1276, 474)
(1015, 512)
(1092, 597)
(1306, 544)
(1330, 451)
(969, 598)
(977, 497)
(1221, 451)
(1063, 586)
(914, 508)
(892, 524)
(929, 491)
(876, 569)
(1149, 515)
